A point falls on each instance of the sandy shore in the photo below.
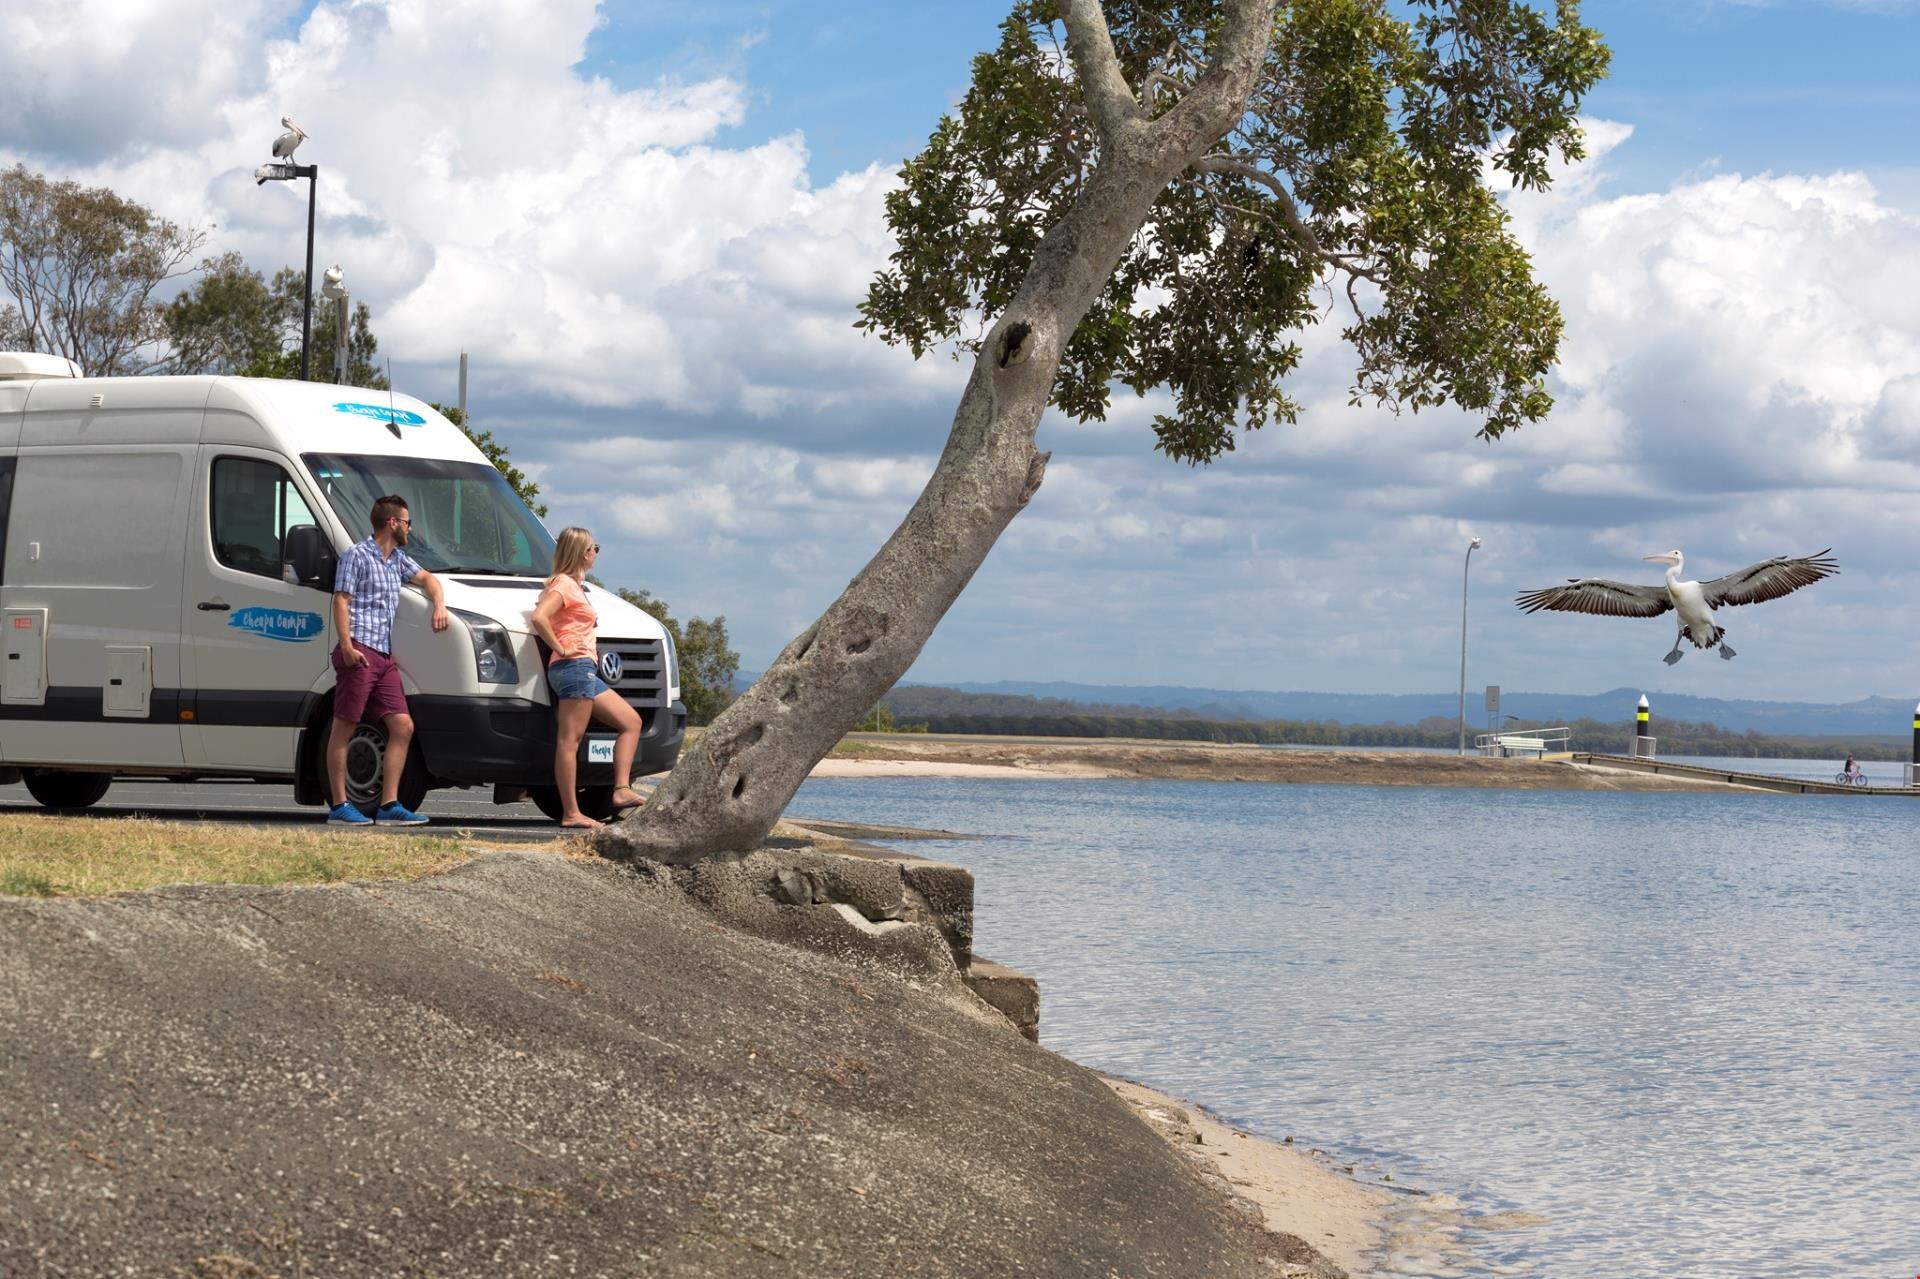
(916, 755)
(1299, 1196)
(1348, 1214)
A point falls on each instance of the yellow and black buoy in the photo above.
(1643, 730)
(1913, 769)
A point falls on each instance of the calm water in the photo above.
(1683, 1028)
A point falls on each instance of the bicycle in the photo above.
(1850, 779)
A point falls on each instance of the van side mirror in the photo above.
(311, 556)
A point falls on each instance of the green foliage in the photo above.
(227, 322)
(233, 320)
(80, 265)
(707, 663)
(1357, 175)
(880, 720)
(497, 454)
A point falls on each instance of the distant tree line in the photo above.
(946, 710)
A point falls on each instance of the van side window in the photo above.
(254, 504)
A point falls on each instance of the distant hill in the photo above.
(1876, 716)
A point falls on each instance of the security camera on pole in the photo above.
(334, 287)
(1643, 730)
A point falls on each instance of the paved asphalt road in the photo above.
(250, 803)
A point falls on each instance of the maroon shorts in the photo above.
(368, 690)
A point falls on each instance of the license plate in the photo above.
(600, 752)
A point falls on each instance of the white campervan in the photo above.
(167, 550)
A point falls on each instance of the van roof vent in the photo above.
(23, 366)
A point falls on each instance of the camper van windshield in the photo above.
(466, 517)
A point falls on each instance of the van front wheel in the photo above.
(365, 751)
(595, 801)
(57, 788)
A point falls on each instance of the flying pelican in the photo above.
(1694, 602)
(283, 146)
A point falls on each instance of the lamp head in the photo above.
(1474, 545)
(333, 283)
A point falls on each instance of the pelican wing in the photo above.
(1769, 579)
(1597, 595)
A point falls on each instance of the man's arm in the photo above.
(431, 585)
(352, 655)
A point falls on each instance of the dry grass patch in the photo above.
(48, 856)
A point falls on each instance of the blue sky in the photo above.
(1751, 87)
(649, 224)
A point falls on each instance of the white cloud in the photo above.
(660, 320)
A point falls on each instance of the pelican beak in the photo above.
(1665, 557)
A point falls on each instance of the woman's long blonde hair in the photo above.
(570, 551)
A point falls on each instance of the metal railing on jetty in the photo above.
(1526, 743)
(1758, 781)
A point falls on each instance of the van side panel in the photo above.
(95, 536)
(13, 403)
(115, 411)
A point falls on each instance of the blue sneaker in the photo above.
(347, 815)
(398, 814)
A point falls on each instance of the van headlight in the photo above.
(673, 665)
(492, 649)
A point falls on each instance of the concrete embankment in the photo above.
(538, 1066)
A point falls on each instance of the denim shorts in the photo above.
(575, 677)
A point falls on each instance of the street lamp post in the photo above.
(1472, 546)
(284, 170)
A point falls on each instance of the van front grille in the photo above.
(643, 671)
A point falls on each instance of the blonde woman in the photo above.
(565, 619)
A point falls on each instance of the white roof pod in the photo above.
(26, 366)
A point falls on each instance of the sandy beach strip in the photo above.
(1316, 1203)
(918, 755)
(1301, 1196)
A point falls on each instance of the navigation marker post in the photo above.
(1914, 764)
(1643, 730)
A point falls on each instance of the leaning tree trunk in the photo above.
(734, 782)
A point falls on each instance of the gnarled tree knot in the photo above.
(1016, 344)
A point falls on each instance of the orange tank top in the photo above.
(576, 619)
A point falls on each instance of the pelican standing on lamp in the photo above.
(1693, 602)
(287, 143)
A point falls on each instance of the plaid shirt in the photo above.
(372, 586)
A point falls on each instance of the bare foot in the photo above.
(627, 797)
(582, 822)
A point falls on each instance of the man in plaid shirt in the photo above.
(366, 594)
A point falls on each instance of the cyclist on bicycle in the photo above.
(1852, 772)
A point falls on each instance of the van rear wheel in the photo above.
(365, 751)
(57, 788)
(595, 801)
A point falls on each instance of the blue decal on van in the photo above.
(278, 623)
(382, 413)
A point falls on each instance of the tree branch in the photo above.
(1289, 211)
(1297, 228)
(1102, 84)
(1222, 90)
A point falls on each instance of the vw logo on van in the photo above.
(610, 667)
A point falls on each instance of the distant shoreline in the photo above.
(941, 755)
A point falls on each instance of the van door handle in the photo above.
(212, 606)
